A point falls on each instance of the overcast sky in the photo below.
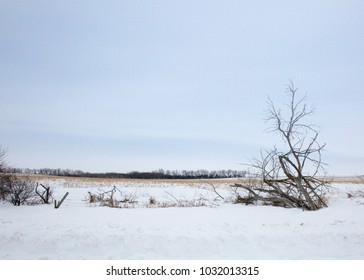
(140, 85)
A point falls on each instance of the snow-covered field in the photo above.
(161, 220)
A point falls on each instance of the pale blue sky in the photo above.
(141, 85)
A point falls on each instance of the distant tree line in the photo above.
(158, 174)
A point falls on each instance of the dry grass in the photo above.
(349, 180)
(126, 180)
(335, 179)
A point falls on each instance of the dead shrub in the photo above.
(113, 198)
(152, 201)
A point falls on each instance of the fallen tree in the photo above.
(290, 176)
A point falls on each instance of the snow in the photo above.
(217, 230)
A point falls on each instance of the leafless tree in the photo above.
(2, 159)
(5, 177)
(17, 189)
(290, 178)
(20, 190)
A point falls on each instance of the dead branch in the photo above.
(45, 194)
(214, 189)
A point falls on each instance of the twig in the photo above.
(214, 189)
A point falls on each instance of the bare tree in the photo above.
(16, 189)
(21, 190)
(289, 178)
(2, 159)
(5, 177)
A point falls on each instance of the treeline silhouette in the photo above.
(158, 174)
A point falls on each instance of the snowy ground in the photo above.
(154, 225)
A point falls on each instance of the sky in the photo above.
(141, 85)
